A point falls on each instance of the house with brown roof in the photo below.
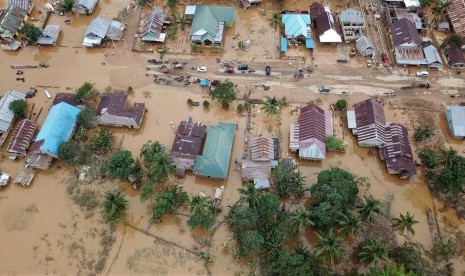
(456, 12)
(325, 24)
(26, 5)
(263, 148)
(68, 98)
(308, 136)
(370, 124)
(153, 26)
(397, 153)
(21, 138)
(407, 43)
(187, 144)
(455, 57)
(113, 111)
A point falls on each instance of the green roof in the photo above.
(206, 19)
(214, 161)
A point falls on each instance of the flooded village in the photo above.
(252, 137)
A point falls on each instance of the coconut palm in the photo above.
(198, 204)
(368, 208)
(403, 223)
(300, 218)
(161, 168)
(271, 106)
(329, 247)
(275, 21)
(114, 207)
(349, 224)
(250, 195)
(373, 251)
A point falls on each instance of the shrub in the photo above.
(332, 143)
(206, 104)
(423, 132)
(190, 102)
(18, 107)
(341, 104)
(240, 108)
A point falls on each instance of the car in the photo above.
(324, 89)
(268, 70)
(202, 69)
(31, 94)
(229, 70)
(243, 67)
(423, 74)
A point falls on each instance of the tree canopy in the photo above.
(18, 107)
(68, 152)
(86, 117)
(224, 93)
(119, 164)
(67, 5)
(287, 182)
(449, 175)
(114, 207)
(103, 141)
(86, 92)
(341, 104)
(31, 33)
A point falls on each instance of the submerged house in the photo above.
(113, 111)
(364, 46)
(85, 6)
(369, 124)
(57, 129)
(308, 136)
(22, 137)
(455, 116)
(187, 144)
(11, 21)
(325, 24)
(153, 26)
(208, 24)
(100, 29)
(352, 24)
(456, 14)
(7, 117)
(49, 35)
(455, 57)
(9, 44)
(26, 5)
(297, 29)
(216, 155)
(407, 43)
(264, 155)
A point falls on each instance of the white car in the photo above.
(422, 74)
(202, 69)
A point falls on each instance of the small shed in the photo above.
(10, 44)
(25, 177)
(443, 26)
(190, 11)
(85, 6)
(351, 121)
(364, 46)
(49, 35)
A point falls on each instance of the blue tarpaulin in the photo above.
(203, 83)
(283, 44)
(309, 43)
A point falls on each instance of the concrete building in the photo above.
(352, 24)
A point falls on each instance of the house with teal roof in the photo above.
(297, 30)
(57, 129)
(209, 23)
(216, 155)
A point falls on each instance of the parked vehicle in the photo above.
(202, 69)
(422, 74)
(299, 74)
(243, 67)
(324, 89)
(268, 70)
(342, 60)
(229, 70)
(31, 94)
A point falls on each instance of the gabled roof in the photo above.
(312, 132)
(22, 136)
(10, 43)
(153, 25)
(23, 4)
(455, 56)
(351, 16)
(88, 4)
(369, 116)
(456, 120)
(326, 27)
(214, 161)
(49, 35)
(98, 27)
(397, 153)
(364, 45)
(262, 149)
(13, 19)
(432, 56)
(206, 19)
(112, 111)
(6, 115)
(57, 128)
(65, 97)
(456, 12)
(404, 31)
(115, 30)
(316, 9)
(296, 24)
(187, 144)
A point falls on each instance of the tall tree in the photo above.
(369, 208)
(330, 247)
(287, 182)
(349, 224)
(86, 117)
(249, 194)
(114, 207)
(68, 152)
(31, 33)
(161, 168)
(271, 106)
(300, 218)
(119, 164)
(224, 93)
(67, 5)
(198, 204)
(149, 152)
(275, 20)
(403, 223)
(373, 251)
(103, 141)
(18, 107)
(86, 92)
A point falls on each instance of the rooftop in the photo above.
(6, 115)
(296, 24)
(115, 104)
(187, 144)
(455, 56)
(403, 31)
(22, 136)
(207, 20)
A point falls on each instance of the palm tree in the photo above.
(271, 106)
(250, 194)
(300, 218)
(329, 247)
(349, 224)
(114, 207)
(373, 251)
(198, 204)
(369, 208)
(275, 21)
(161, 168)
(403, 223)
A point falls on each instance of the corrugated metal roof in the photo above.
(207, 19)
(283, 43)
(49, 35)
(456, 120)
(190, 10)
(21, 138)
(6, 115)
(23, 4)
(214, 161)
(296, 25)
(98, 27)
(88, 4)
(312, 132)
(456, 12)
(115, 30)
(432, 56)
(58, 128)
(364, 46)
(455, 56)
(404, 31)
(309, 43)
(351, 16)
(187, 144)
(262, 149)
(351, 121)
(13, 19)
(153, 25)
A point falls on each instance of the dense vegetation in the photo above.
(18, 107)
(224, 93)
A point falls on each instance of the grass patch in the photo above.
(86, 199)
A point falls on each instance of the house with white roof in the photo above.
(100, 29)
(325, 24)
(85, 6)
(49, 35)
(455, 116)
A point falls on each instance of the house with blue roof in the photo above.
(57, 129)
(297, 29)
(216, 155)
(209, 23)
(455, 116)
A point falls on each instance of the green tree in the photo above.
(146, 192)
(250, 243)
(290, 264)
(403, 223)
(18, 107)
(150, 151)
(103, 141)
(161, 168)
(439, 9)
(287, 182)
(224, 93)
(86, 92)
(114, 207)
(142, 2)
(391, 269)
(171, 3)
(349, 224)
(250, 195)
(137, 173)
(426, 3)
(369, 208)
(271, 106)
(452, 41)
(300, 218)
(67, 5)
(31, 33)
(329, 247)
(167, 201)
(68, 152)
(341, 104)
(275, 21)
(203, 219)
(242, 218)
(428, 158)
(411, 257)
(373, 251)
(444, 250)
(86, 117)
(198, 204)
(119, 164)
(333, 143)
(422, 133)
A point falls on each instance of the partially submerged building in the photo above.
(11, 21)
(352, 24)
(68, 98)
(153, 26)
(85, 6)
(407, 43)
(21, 138)
(7, 116)
(370, 123)
(26, 5)
(100, 29)
(49, 35)
(57, 129)
(216, 155)
(9, 44)
(455, 116)
(308, 136)
(187, 144)
(297, 29)
(455, 57)
(325, 24)
(433, 58)
(208, 24)
(456, 13)
(364, 46)
(113, 111)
